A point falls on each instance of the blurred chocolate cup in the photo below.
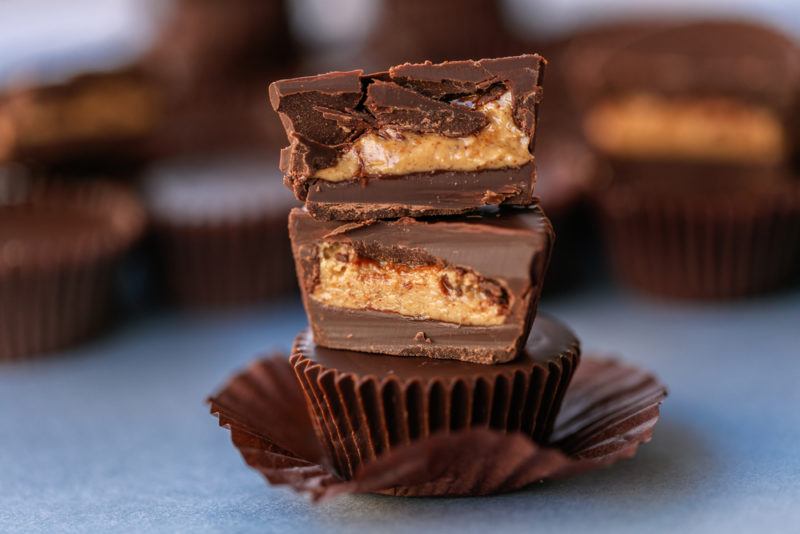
(420, 30)
(205, 40)
(220, 226)
(565, 171)
(60, 246)
(99, 121)
(714, 91)
(716, 236)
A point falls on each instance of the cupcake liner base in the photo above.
(609, 410)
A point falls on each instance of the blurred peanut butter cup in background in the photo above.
(60, 246)
(697, 126)
(220, 226)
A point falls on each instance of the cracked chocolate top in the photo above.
(323, 115)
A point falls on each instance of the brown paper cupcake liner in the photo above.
(227, 264)
(360, 418)
(609, 410)
(703, 246)
(56, 295)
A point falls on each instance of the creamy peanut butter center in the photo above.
(435, 292)
(500, 144)
(712, 129)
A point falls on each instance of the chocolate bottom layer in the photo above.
(364, 405)
(420, 194)
(391, 333)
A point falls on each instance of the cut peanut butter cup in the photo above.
(461, 288)
(418, 139)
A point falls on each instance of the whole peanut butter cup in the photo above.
(364, 405)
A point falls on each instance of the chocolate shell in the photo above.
(609, 410)
(365, 405)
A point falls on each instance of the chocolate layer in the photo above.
(420, 194)
(713, 91)
(509, 248)
(326, 116)
(549, 339)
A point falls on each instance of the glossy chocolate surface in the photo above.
(548, 340)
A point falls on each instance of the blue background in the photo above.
(115, 436)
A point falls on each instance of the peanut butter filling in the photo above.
(435, 292)
(106, 109)
(711, 129)
(500, 144)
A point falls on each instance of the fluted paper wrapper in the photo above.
(212, 264)
(609, 410)
(698, 246)
(52, 297)
(359, 418)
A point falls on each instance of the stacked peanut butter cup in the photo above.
(421, 254)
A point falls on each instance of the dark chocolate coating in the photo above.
(323, 115)
(510, 246)
(548, 340)
(420, 194)
(407, 109)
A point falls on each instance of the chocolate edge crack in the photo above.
(520, 75)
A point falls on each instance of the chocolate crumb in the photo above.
(342, 257)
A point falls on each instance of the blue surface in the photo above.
(115, 436)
